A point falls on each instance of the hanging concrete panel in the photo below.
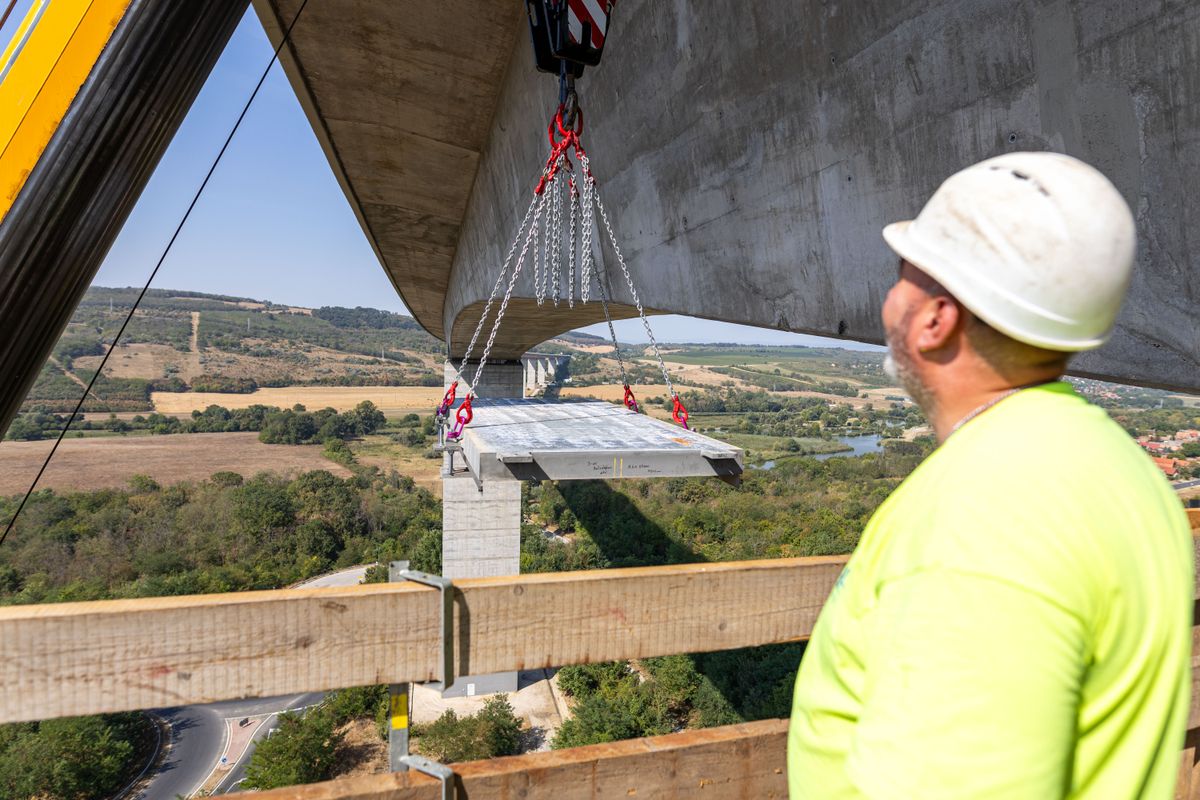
(540, 440)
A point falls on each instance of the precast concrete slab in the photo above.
(543, 440)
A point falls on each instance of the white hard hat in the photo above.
(1038, 245)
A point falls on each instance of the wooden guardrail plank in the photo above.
(734, 761)
(114, 655)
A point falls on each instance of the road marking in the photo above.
(224, 744)
(158, 726)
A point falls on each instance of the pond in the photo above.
(859, 445)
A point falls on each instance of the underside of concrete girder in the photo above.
(750, 153)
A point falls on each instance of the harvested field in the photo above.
(82, 464)
(614, 392)
(308, 363)
(144, 361)
(392, 400)
(380, 451)
(694, 375)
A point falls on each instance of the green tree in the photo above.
(24, 428)
(427, 557)
(77, 758)
(300, 751)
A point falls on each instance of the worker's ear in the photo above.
(938, 322)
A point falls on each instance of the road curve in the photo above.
(197, 737)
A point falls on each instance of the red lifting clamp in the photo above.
(448, 400)
(630, 400)
(462, 419)
(679, 413)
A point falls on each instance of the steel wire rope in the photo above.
(163, 257)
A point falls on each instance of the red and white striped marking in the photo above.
(591, 11)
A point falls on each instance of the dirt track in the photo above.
(110, 461)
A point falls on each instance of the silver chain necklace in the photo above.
(973, 414)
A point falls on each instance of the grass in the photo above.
(381, 451)
(722, 357)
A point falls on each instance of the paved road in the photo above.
(198, 732)
(1185, 484)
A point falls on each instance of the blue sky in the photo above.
(273, 224)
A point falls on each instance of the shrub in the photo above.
(494, 731)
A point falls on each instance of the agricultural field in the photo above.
(181, 342)
(108, 462)
(393, 401)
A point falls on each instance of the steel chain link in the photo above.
(573, 199)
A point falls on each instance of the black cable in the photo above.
(12, 4)
(195, 198)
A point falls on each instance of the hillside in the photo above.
(186, 341)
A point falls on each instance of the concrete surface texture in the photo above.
(481, 523)
(481, 530)
(499, 379)
(750, 153)
(400, 94)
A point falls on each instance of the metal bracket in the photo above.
(451, 449)
(434, 770)
(447, 589)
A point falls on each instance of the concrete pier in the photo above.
(481, 527)
(481, 530)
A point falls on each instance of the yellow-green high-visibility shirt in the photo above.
(1015, 623)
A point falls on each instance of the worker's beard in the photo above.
(899, 366)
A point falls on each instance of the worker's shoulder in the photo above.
(1047, 440)
(1047, 487)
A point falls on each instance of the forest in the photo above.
(233, 532)
(295, 425)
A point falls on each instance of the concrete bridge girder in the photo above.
(750, 155)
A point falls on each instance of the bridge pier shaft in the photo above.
(481, 530)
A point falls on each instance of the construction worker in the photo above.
(1016, 619)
